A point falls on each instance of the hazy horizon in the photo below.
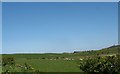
(58, 27)
(55, 52)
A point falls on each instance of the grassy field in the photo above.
(51, 65)
(48, 62)
(51, 62)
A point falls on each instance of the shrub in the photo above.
(9, 65)
(101, 65)
(27, 68)
(8, 61)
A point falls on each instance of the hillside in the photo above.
(56, 62)
(105, 51)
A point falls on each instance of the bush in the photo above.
(101, 65)
(9, 65)
(8, 61)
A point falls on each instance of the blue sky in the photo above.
(60, 0)
(58, 27)
(0, 27)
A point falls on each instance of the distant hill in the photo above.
(109, 51)
(112, 50)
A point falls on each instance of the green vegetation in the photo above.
(101, 65)
(84, 61)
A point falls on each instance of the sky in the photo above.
(119, 24)
(0, 27)
(60, 0)
(55, 27)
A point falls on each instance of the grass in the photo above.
(51, 65)
(53, 62)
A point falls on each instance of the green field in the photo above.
(48, 62)
(54, 62)
(52, 65)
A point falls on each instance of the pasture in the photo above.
(53, 62)
(47, 62)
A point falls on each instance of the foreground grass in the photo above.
(51, 65)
